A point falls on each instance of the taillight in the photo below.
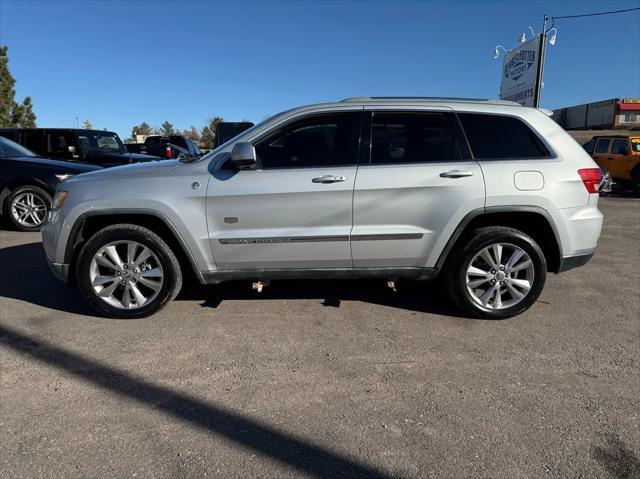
(591, 178)
(169, 152)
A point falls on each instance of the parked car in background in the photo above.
(27, 184)
(488, 194)
(620, 156)
(98, 147)
(606, 184)
(164, 146)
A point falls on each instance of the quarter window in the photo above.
(412, 138)
(619, 147)
(602, 146)
(495, 137)
(319, 141)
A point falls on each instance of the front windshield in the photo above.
(10, 149)
(100, 141)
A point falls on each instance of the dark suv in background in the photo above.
(99, 147)
(165, 146)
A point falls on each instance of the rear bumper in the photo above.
(570, 262)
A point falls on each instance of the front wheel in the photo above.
(499, 273)
(128, 271)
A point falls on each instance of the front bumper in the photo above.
(60, 271)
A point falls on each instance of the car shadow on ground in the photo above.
(26, 277)
(253, 434)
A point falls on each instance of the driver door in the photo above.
(295, 209)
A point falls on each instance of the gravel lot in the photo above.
(324, 379)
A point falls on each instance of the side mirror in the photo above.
(243, 156)
(72, 150)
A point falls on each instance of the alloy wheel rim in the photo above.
(29, 209)
(126, 274)
(500, 276)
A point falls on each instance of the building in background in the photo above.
(623, 113)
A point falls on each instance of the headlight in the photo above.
(59, 199)
(63, 176)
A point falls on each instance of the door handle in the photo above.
(456, 174)
(328, 179)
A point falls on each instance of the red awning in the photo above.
(629, 106)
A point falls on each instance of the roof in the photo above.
(435, 99)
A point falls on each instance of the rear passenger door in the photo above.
(416, 182)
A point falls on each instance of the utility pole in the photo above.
(541, 58)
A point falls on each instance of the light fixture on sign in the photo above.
(523, 38)
(497, 53)
(552, 40)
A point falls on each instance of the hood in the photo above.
(133, 170)
(66, 165)
(120, 154)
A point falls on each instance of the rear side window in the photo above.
(33, 140)
(602, 146)
(589, 145)
(412, 138)
(11, 135)
(495, 137)
(619, 147)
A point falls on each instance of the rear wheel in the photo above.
(499, 273)
(27, 208)
(127, 271)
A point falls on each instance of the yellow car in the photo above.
(620, 156)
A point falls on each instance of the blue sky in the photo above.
(121, 63)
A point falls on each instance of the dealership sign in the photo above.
(520, 73)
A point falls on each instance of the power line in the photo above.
(598, 13)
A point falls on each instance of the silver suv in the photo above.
(488, 195)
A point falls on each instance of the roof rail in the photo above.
(426, 98)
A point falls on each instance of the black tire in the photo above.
(40, 196)
(172, 274)
(456, 273)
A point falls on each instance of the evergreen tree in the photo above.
(143, 129)
(13, 114)
(208, 135)
(7, 93)
(166, 129)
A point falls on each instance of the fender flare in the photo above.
(487, 211)
(80, 221)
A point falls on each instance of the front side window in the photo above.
(495, 137)
(619, 147)
(100, 142)
(326, 140)
(602, 146)
(412, 138)
(58, 142)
